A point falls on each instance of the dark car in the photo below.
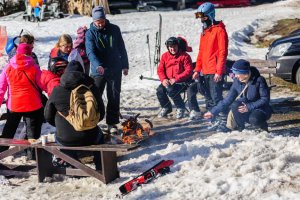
(286, 52)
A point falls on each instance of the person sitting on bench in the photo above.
(175, 68)
(58, 109)
(248, 98)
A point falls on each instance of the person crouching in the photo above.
(248, 99)
(175, 68)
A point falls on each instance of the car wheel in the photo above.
(298, 76)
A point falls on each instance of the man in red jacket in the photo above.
(212, 55)
(175, 68)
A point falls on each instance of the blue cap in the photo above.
(241, 67)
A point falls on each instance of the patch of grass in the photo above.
(283, 27)
(280, 83)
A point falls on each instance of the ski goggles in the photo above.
(199, 15)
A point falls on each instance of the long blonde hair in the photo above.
(63, 40)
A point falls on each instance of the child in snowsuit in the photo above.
(51, 78)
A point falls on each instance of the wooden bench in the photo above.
(264, 67)
(45, 168)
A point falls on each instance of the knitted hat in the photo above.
(74, 66)
(24, 48)
(98, 13)
(241, 67)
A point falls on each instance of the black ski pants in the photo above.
(257, 118)
(113, 90)
(13, 119)
(214, 91)
(173, 91)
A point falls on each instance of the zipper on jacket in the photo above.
(101, 42)
(110, 40)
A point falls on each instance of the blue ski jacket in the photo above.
(106, 48)
(257, 95)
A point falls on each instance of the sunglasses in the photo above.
(199, 15)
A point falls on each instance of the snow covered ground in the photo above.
(245, 165)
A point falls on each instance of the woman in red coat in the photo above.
(21, 79)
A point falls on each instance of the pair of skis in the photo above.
(157, 47)
(160, 168)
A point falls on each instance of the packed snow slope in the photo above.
(237, 165)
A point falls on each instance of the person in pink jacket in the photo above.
(21, 80)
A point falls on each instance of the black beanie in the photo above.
(74, 66)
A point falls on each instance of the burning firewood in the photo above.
(133, 131)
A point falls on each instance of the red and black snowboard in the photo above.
(160, 168)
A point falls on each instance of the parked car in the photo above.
(227, 3)
(286, 52)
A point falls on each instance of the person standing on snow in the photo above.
(108, 56)
(248, 98)
(212, 56)
(174, 69)
(21, 77)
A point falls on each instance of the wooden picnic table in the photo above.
(45, 168)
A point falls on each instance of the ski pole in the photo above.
(148, 78)
(151, 71)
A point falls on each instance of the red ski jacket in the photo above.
(213, 50)
(49, 81)
(22, 96)
(177, 66)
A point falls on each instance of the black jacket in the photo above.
(59, 100)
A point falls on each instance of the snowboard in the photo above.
(160, 168)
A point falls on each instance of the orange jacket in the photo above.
(213, 50)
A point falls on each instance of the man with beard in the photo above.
(106, 51)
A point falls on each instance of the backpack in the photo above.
(79, 44)
(84, 113)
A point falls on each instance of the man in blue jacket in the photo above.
(107, 53)
(248, 99)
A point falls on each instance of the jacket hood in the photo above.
(47, 76)
(219, 24)
(254, 74)
(71, 80)
(21, 62)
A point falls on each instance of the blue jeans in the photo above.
(173, 91)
